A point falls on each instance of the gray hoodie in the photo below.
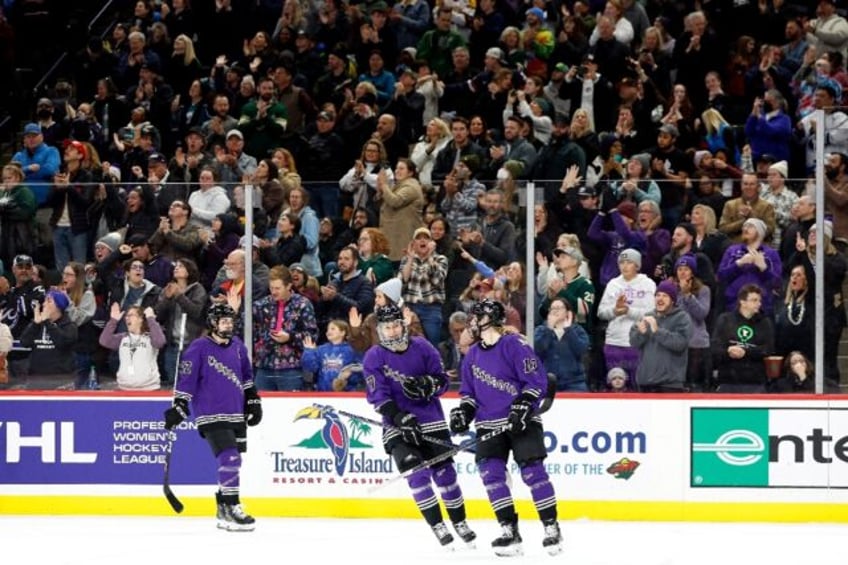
(664, 354)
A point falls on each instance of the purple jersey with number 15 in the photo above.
(492, 378)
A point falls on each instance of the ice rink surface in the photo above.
(180, 540)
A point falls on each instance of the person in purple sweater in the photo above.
(751, 262)
(216, 378)
(503, 382)
(404, 379)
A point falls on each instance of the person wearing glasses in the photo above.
(176, 236)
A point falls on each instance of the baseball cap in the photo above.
(147, 129)
(422, 231)
(22, 261)
(32, 129)
(236, 133)
(561, 67)
(325, 116)
(297, 267)
(76, 145)
(572, 252)
(256, 241)
(156, 157)
(196, 131)
(586, 191)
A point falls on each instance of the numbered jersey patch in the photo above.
(530, 365)
(185, 367)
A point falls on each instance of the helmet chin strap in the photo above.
(225, 337)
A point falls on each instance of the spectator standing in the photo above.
(749, 205)
(694, 298)
(283, 321)
(17, 215)
(424, 272)
(181, 295)
(626, 299)
(348, 288)
(662, 337)
(561, 343)
(71, 197)
(401, 206)
(742, 338)
(137, 348)
(51, 336)
(17, 305)
(751, 262)
(81, 310)
(40, 162)
(208, 201)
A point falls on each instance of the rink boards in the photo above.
(610, 457)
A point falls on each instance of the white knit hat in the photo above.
(781, 167)
(392, 289)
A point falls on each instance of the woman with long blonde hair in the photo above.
(582, 132)
(424, 154)
(184, 67)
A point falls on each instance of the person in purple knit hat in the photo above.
(404, 379)
(216, 379)
(503, 383)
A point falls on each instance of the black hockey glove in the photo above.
(461, 417)
(252, 406)
(421, 388)
(520, 413)
(410, 431)
(175, 415)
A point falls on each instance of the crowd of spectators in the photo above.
(384, 148)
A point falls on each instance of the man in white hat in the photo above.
(781, 197)
(750, 262)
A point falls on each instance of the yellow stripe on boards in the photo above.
(477, 509)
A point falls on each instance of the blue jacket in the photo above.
(563, 356)
(41, 181)
(327, 361)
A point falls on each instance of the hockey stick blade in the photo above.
(444, 456)
(425, 437)
(166, 481)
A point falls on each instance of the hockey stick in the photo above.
(430, 439)
(444, 456)
(172, 435)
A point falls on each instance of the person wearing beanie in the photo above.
(662, 339)
(749, 205)
(363, 333)
(51, 335)
(111, 241)
(751, 262)
(781, 197)
(626, 299)
(695, 298)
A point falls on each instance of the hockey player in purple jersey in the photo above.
(216, 380)
(404, 377)
(503, 382)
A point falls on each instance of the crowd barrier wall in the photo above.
(611, 457)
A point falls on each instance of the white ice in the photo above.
(54, 540)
